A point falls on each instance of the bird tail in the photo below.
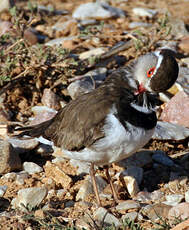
(32, 131)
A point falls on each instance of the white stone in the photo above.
(29, 197)
(32, 168)
(108, 218)
(97, 10)
(3, 190)
(132, 185)
(144, 12)
(130, 215)
(126, 205)
(186, 196)
(173, 199)
(92, 52)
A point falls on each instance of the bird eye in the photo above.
(150, 72)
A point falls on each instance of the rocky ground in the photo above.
(53, 51)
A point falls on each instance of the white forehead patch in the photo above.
(160, 59)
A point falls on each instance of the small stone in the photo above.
(39, 214)
(86, 84)
(177, 110)
(50, 99)
(131, 216)
(173, 199)
(92, 52)
(169, 131)
(10, 159)
(30, 197)
(178, 28)
(82, 167)
(32, 167)
(131, 185)
(183, 79)
(184, 44)
(42, 113)
(156, 211)
(30, 35)
(3, 190)
(23, 145)
(5, 26)
(179, 211)
(126, 205)
(59, 41)
(21, 177)
(133, 25)
(102, 214)
(87, 188)
(160, 157)
(9, 176)
(144, 12)
(187, 196)
(144, 196)
(135, 172)
(97, 10)
(182, 226)
(58, 175)
(6, 4)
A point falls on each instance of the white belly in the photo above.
(117, 144)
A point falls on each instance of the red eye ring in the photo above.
(150, 72)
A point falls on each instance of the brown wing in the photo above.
(79, 123)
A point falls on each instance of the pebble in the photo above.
(97, 10)
(144, 12)
(41, 114)
(173, 199)
(59, 41)
(3, 190)
(32, 167)
(9, 176)
(169, 131)
(155, 211)
(186, 196)
(58, 175)
(183, 79)
(5, 26)
(182, 226)
(177, 110)
(102, 214)
(131, 216)
(134, 25)
(86, 84)
(161, 157)
(139, 159)
(180, 211)
(145, 196)
(29, 197)
(178, 28)
(10, 159)
(21, 177)
(87, 187)
(23, 145)
(131, 185)
(126, 205)
(6, 4)
(82, 167)
(50, 99)
(135, 172)
(93, 52)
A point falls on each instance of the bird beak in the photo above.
(140, 90)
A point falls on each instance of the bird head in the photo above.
(156, 71)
